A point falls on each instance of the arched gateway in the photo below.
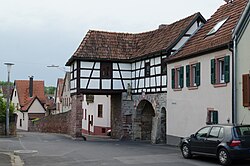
(144, 115)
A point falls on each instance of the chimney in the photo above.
(162, 26)
(31, 86)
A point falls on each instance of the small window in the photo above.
(163, 66)
(21, 123)
(220, 70)
(147, 69)
(103, 130)
(193, 75)
(212, 117)
(106, 70)
(217, 27)
(85, 114)
(177, 77)
(100, 111)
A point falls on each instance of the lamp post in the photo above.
(8, 99)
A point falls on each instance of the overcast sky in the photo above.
(38, 33)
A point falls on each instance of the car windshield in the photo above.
(243, 131)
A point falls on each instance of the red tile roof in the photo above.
(201, 43)
(122, 46)
(22, 87)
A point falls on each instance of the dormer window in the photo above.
(217, 27)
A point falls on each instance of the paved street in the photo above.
(31, 149)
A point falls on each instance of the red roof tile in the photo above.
(201, 43)
(22, 87)
(111, 45)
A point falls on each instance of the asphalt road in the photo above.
(40, 149)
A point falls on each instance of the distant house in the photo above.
(65, 95)
(200, 75)
(29, 101)
(58, 96)
(96, 114)
(241, 37)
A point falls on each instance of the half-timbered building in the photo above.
(132, 69)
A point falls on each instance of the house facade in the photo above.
(96, 114)
(65, 96)
(201, 76)
(241, 37)
(132, 69)
(58, 96)
(29, 101)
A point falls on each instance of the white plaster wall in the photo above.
(242, 67)
(36, 107)
(92, 109)
(25, 118)
(187, 109)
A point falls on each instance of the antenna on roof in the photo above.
(243, 119)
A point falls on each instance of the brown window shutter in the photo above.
(246, 89)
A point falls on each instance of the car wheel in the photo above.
(186, 152)
(224, 157)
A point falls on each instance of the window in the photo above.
(202, 133)
(214, 133)
(163, 66)
(106, 70)
(193, 75)
(177, 77)
(85, 114)
(100, 108)
(217, 27)
(147, 69)
(220, 70)
(212, 117)
(246, 90)
(20, 122)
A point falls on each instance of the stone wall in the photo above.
(66, 123)
(116, 117)
(12, 126)
(53, 124)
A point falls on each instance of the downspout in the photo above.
(234, 113)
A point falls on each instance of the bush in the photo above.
(3, 110)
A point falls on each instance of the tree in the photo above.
(50, 90)
(3, 110)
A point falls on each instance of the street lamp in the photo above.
(8, 99)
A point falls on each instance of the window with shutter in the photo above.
(193, 75)
(246, 89)
(178, 78)
(220, 70)
(212, 117)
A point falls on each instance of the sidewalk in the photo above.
(5, 159)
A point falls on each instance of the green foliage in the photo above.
(4, 83)
(49, 90)
(3, 110)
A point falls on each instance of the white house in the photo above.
(65, 96)
(96, 114)
(200, 76)
(29, 101)
(241, 37)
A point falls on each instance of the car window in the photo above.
(243, 130)
(202, 133)
(214, 132)
(221, 134)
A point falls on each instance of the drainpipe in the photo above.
(234, 113)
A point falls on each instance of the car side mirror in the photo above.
(192, 136)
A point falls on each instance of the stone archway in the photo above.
(145, 114)
(163, 134)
